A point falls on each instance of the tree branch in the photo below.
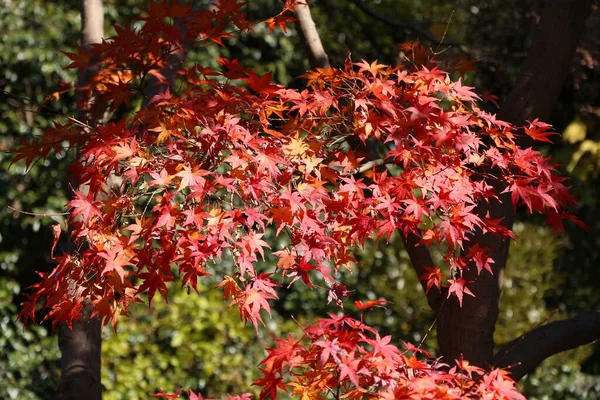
(403, 24)
(316, 53)
(522, 355)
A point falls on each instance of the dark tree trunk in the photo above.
(469, 330)
(81, 346)
(80, 360)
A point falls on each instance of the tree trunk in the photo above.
(81, 346)
(80, 360)
(469, 330)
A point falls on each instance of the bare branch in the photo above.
(403, 24)
(34, 214)
(316, 53)
(522, 355)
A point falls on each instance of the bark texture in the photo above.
(312, 41)
(80, 360)
(80, 346)
(468, 331)
(553, 44)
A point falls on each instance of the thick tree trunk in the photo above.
(550, 55)
(80, 360)
(81, 346)
(469, 330)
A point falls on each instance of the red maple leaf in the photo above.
(57, 230)
(382, 346)
(433, 276)
(116, 259)
(83, 205)
(479, 256)
(370, 304)
(349, 368)
(372, 68)
(279, 21)
(260, 83)
(254, 301)
(539, 131)
(80, 59)
(458, 287)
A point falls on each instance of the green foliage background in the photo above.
(196, 341)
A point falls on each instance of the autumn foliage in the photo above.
(208, 165)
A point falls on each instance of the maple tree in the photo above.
(208, 166)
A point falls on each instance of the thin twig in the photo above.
(402, 24)
(37, 214)
(445, 32)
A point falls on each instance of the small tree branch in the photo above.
(403, 24)
(522, 355)
(316, 53)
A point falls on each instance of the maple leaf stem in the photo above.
(150, 200)
(445, 32)
(81, 124)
